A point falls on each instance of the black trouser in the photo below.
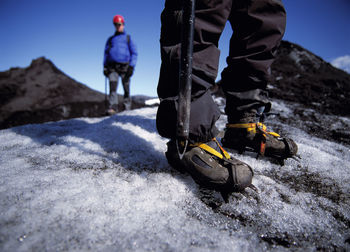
(113, 78)
(258, 28)
(116, 71)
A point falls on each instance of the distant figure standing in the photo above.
(120, 57)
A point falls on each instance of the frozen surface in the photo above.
(104, 185)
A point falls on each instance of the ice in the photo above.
(298, 56)
(152, 101)
(103, 184)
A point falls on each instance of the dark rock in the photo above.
(302, 77)
(42, 93)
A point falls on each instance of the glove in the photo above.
(105, 71)
(130, 71)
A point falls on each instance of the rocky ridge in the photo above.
(41, 93)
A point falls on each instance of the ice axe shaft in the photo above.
(106, 102)
(185, 80)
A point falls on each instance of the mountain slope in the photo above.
(302, 77)
(41, 93)
(318, 93)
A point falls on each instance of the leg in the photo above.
(207, 163)
(258, 29)
(113, 84)
(126, 87)
(211, 17)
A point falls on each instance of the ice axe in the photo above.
(185, 80)
(106, 91)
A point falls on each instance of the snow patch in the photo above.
(298, 56)
(103, 184)
(151, 102)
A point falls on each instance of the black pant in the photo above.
(113, 81)
(119, 70)
(258, 28)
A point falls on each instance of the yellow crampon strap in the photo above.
(214, 152)
(251, 127)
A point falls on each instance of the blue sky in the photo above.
(72, 34)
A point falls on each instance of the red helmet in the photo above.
(118, 19)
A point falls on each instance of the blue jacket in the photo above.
(120, 49)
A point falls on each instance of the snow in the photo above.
(151, 102)
(299, 55)
(103, 184)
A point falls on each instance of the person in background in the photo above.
(120, 57)
(258, 27)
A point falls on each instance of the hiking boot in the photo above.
(211, 166)
(255, 137)
(127, 103)
(111, 111)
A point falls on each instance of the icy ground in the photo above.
(104, 185)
